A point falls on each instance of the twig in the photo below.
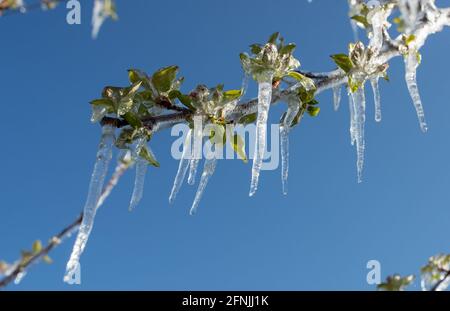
(54, 241)
(438, 284)
(57, 239)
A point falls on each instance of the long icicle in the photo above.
(336, 97)
(141, 171)
(208, 170)
(411, 64)
(376, 98)
(104, 155)
(196, 149)
(359, 103)
(264, 101)
(182, 167)
(351, 109)
(291, 113)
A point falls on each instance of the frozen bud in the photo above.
(200, 93)
(383, 68)
(357, 53)
(270, 54)
(370, 52)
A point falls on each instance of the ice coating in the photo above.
(264, 101)
(103, 158)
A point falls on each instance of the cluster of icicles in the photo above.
(357, 100)
(190, 160)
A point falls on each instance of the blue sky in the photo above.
(319, 237)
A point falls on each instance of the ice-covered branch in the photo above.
(21, 266)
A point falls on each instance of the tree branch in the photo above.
(54, 241)
(323, 81)
(20, 266)
(440, 282)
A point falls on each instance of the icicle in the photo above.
(141, 171)
(291, 113)
(359, 104)
(98, 112)
(351, 109)
(264, 101)
(208, 170)
(124, 161)
(97, 17)
(376, 98)
(411, 64)
(196, 149)
(336, 97)
(182, 167)
(104, 155)
(244, 86)
(193, 165)
(20, 277)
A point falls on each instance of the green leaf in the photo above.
(37, 246)
(343, 61)
(296, 75)
(184, 99)
(134, 76)
(26, 256)
(409, 39)
(353, 85)
(132, 119)
(47, 259)
(396, 283)
(164, 78)
(130, 91)
(255, 48)
(361, 19)
(244, 57)
(288, 49)
(313, 111)
(232, 95)
(273, 38)
(125, 106)
(106, 102)
(418, 57)
(238, 144)
(250, 118)
(147, 155)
